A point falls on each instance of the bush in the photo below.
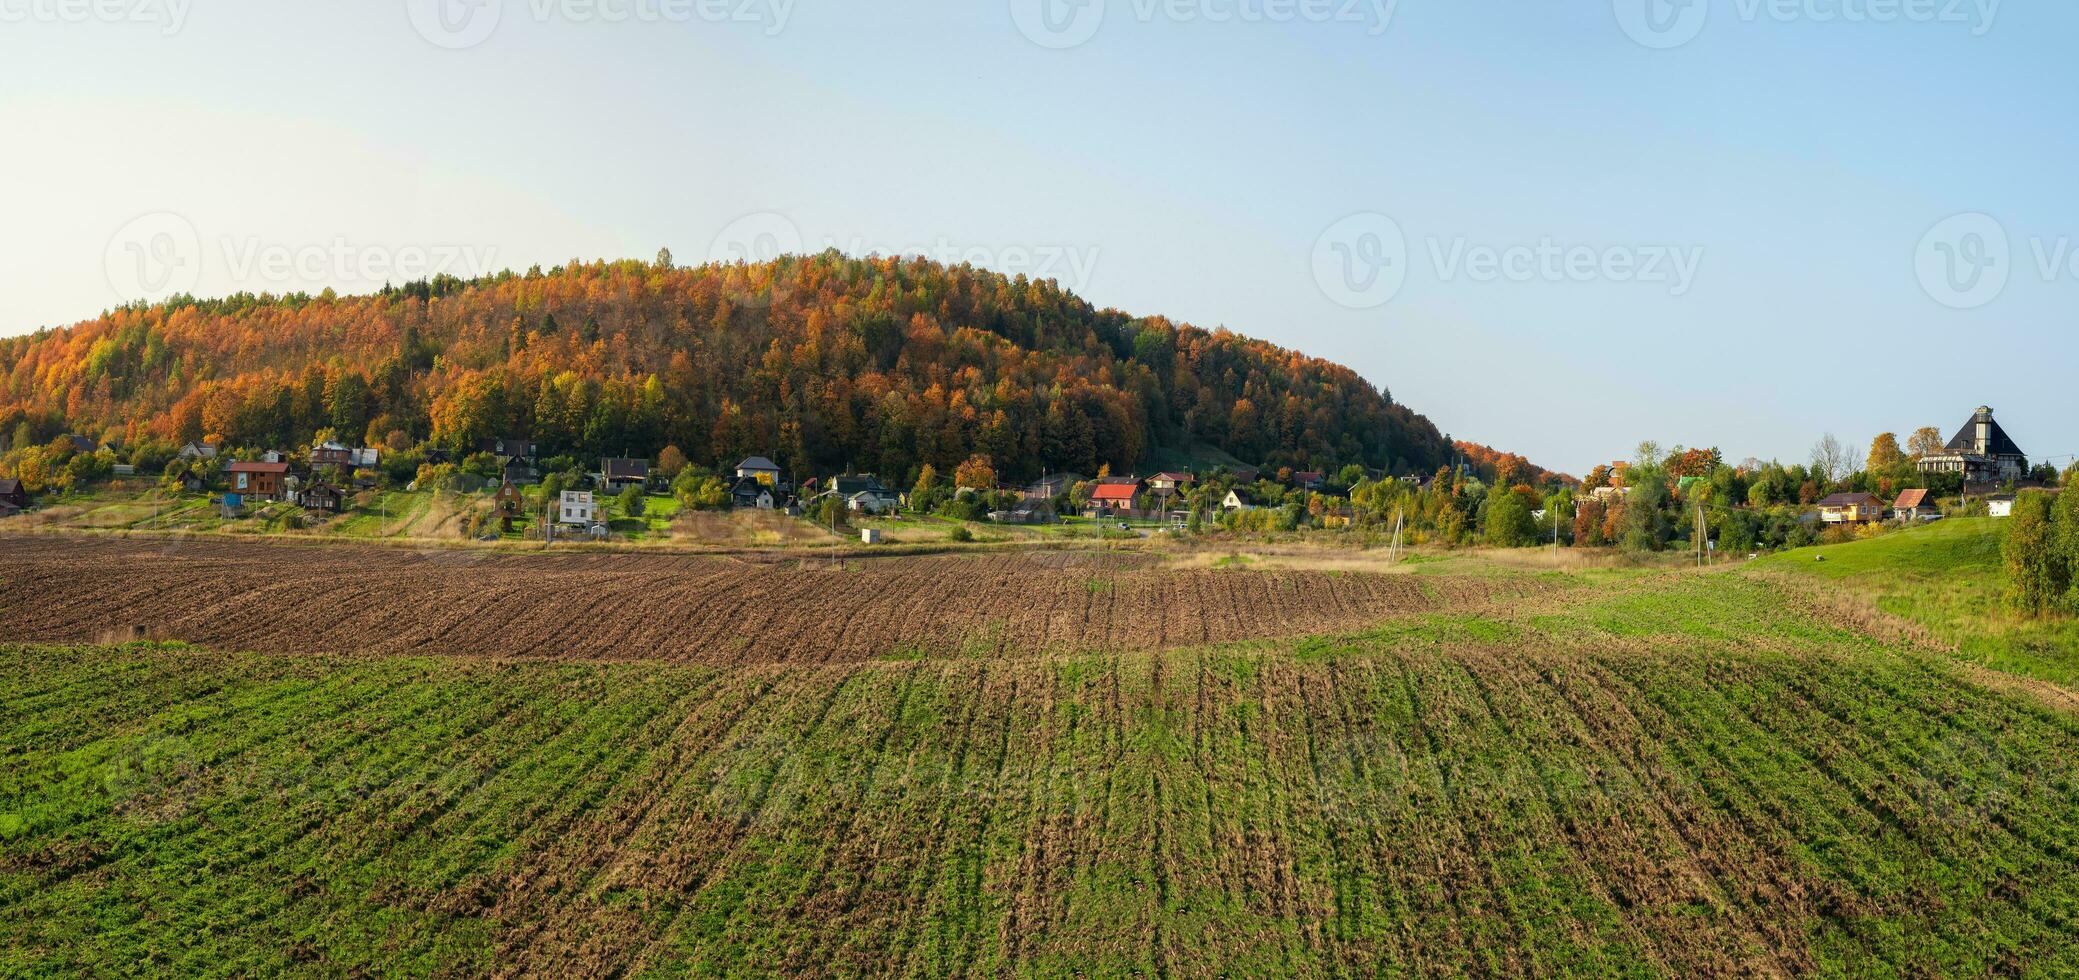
(962, 535)
(2038, 574)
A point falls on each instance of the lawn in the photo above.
(1949, 577)
(1649, 774)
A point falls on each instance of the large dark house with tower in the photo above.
(1980, 451)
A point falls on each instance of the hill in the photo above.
(1949, 577)
(824, 361)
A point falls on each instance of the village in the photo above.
(506, 489)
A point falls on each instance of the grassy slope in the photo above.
(1948, 576)
(1657, 773)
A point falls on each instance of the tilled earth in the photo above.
(273, 597)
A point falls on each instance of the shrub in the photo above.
(2038, 574)
(962, 535)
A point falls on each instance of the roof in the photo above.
(758, 463)
(1174, 477)
(10, 486)
(245, 467)
(81, 443)
(749, 486)
(1112, 491)
(1910, 498)
(851, 484)
(617, 468)
(1997, 443)
(1849, 500)
(1241, 494)
(1311, 475)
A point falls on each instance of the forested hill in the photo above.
(822, 361)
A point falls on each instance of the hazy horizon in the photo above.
(1553, 231)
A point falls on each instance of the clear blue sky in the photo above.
(1185, 158)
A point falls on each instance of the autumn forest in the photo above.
(823, 362)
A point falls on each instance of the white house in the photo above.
(1236, 501)
(761, 469)
(576, 508)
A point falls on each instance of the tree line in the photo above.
(823, 362)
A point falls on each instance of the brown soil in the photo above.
(272, 597)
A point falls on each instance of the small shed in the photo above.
(869, 536)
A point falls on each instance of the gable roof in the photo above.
(1997, 443)
(1174, 477)
(10, 486)
(245, 467)
(758, 463)
(856, 483)
(1909, 499)
(617, 468)
(1849, 500)
(1113, 491)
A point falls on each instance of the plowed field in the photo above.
(1642, 774)
(258, 596)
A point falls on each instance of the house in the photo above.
(80, 444)
(1029, 510)
(1112, 496)
(864, 494)
(1309, 480)
(1912, 505)
(507, 503)
(330, 454)
(1999, 505)
(1247, 474)
(576, 508)
(1851, 508)
(198, 450)
(618, 473)
(515, 456)
(8, 509)
(751, 493)
(1238, 499)
(1169, 484)
(1980, 451)
(323, 497)
(760, 469)
(262, 481)
(1050, 486)
(12, 494)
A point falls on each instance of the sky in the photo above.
(1558, 228)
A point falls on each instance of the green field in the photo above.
(1641, 773)
(1948, 576)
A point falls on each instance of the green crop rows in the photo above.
(1675, 775)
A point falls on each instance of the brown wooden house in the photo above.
(257, 480)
